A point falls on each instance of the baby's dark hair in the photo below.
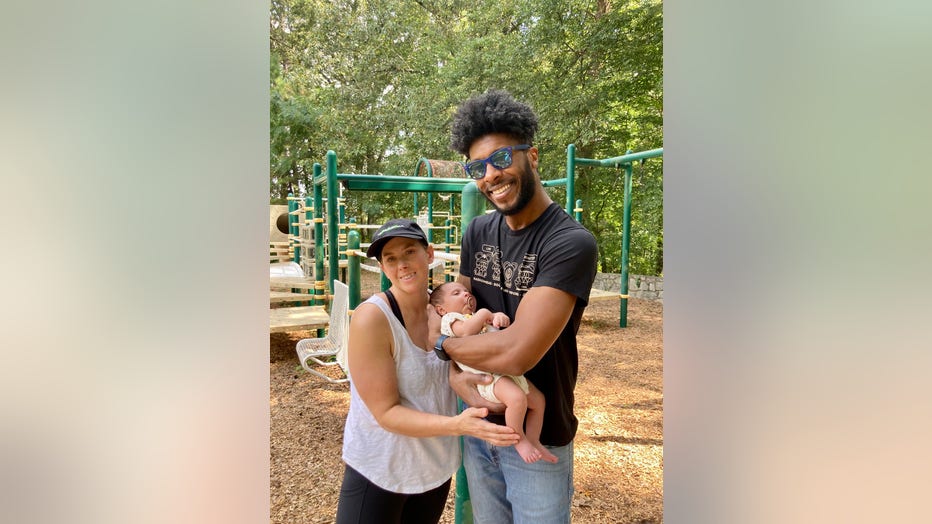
(436, 296)
(494, 111)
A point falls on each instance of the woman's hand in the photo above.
(464, 384)
(470, 422)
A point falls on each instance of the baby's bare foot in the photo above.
(528, 451)
(546, 455)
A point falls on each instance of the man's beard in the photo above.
(528, 186)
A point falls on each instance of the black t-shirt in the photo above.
(554, 251)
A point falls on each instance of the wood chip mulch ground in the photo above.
(618, 468)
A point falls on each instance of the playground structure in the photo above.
(339, 247)
(627, 162)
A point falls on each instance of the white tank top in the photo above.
(395, 462)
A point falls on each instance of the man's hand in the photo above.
(464, 384)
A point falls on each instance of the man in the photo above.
(532, 261)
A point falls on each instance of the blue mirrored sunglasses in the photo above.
(500, 159)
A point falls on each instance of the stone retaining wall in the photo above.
(639, 286)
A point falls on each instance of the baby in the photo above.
(457, 307)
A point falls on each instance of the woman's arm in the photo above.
(373, 370)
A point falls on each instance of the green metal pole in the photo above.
(430, 206)
(570, 177)
(292, 225)
(447, 240)
(341, 236)
(625, 243)
(350, 226)
(473, 204)
(462, 509)
(430, 216)
(578, 210)
(354, 277)
(621, 160)
(318, 227)
(308, 219)
(332, 222)
(406, 184)
(556, 182)
(450, 218)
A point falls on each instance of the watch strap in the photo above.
(438, 348)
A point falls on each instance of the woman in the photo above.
(399, 443)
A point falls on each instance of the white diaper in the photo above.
(487, 391)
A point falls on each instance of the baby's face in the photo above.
(459, 300)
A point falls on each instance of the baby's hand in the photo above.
(500, 320)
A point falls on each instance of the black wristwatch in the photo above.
(438, 348)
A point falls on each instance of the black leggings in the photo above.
(361, 501)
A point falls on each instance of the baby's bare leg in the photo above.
(535, 421)
(516, 404)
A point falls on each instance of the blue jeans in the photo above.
(505, 489)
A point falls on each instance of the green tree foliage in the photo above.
(378, 82)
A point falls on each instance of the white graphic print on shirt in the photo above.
(489, 269)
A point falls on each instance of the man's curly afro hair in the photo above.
(494, 111)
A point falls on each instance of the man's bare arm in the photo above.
(540, 319)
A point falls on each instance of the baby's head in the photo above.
(453, 297)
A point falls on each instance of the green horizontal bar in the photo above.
(555, 182)
(359, 182)
(621, 160)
